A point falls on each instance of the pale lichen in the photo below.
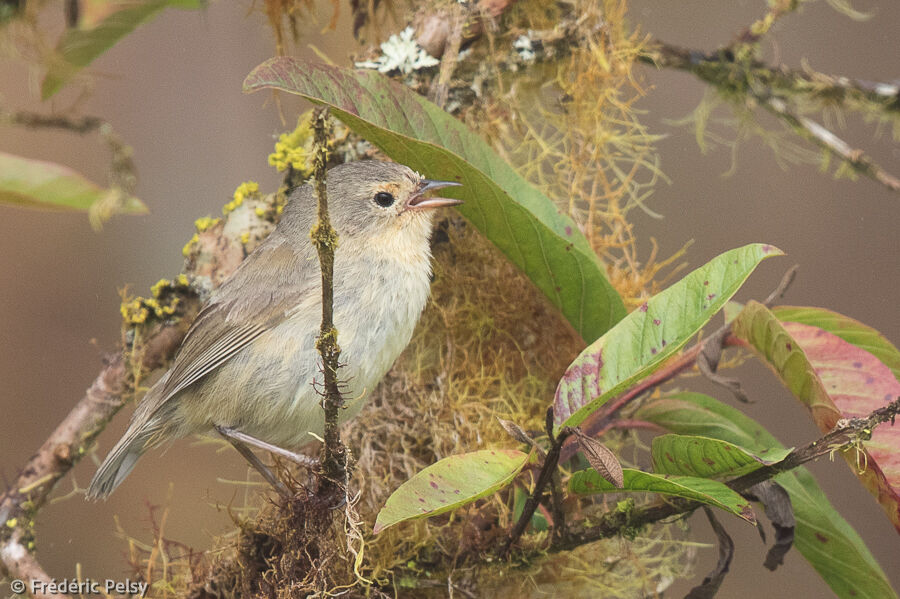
(400, 53)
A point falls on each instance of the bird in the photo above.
(248, 364)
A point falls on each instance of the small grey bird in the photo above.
(248, 362)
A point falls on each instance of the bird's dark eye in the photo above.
(384, 199)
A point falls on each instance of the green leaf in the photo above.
(708, 492)
(823, 537)
(538, 521)
(707, 457)
(48, 186)
(79, 46)
(848, 329)
(644, 339)
(449, 484)
(511, 213)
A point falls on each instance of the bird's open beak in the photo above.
(419, 201)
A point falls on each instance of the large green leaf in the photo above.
(704, 490)
(848, 329)
(515, 216)
(706, 457)
(79, 46)
(823, 537)
(643, 340)
(49, 186)
(449, 484)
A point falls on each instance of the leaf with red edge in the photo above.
(859, 383)
(642, 341)
(834, 379)
(848, 329)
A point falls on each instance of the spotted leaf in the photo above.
(703, 490)
(693, 455)
(449, 484)
(643, 340)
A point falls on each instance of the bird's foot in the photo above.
(241, 441)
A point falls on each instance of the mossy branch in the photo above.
(149, 342)
(777, 88)
(325, 239)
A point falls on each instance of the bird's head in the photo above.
(380, 205)
(374, 198)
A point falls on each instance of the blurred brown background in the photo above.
(172, 91)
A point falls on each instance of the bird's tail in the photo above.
(121, 460)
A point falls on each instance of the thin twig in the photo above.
(807, 128)
(122, 170)
(34, 120)
(548, 469)
(325, 239)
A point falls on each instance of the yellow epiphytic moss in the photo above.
(189, 246)
(162, 304)
(244, 190)
(159, 286)
(571, 128)
(204, 223)
(134, 312)
(295, 149)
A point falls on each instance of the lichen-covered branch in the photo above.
(66, 445)
(825, 139)
(154, 333)
(774, 88)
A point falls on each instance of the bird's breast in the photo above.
(376, 308)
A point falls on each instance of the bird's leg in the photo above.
(298, 458)
(248, 454)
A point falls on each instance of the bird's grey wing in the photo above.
(257, 297)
